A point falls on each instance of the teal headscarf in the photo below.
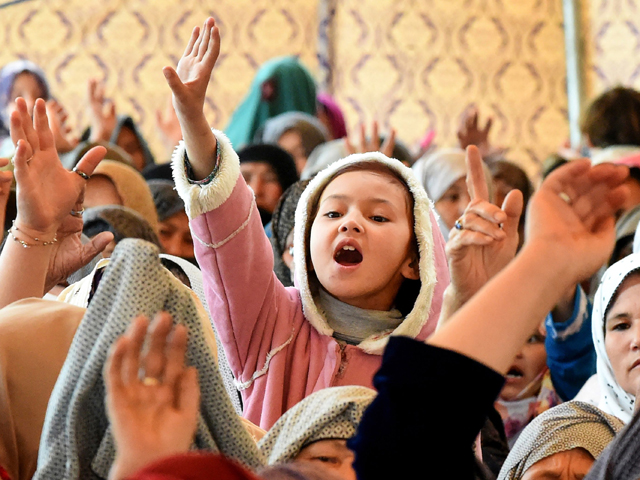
(289, 87)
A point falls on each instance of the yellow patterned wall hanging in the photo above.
(413, 64)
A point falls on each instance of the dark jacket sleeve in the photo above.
(431, 404)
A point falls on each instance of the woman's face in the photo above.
(291, 141)
(452, 204)
(571, 464)
(331, 454)
(263, 180)
(531, 360)
(26, 86)
(622, 335)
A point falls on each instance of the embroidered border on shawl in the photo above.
(259, 373)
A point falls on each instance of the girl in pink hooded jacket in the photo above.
(368, 261)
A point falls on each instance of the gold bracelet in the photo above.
(29, 245)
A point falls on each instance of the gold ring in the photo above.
(150, 381)
(564, 196)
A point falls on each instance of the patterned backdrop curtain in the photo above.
(412, 64)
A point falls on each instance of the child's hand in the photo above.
(101, 112)
(572, 217)
(46, 192)
(156, 416)
(486, 239)
(373, 143)
(189, 82)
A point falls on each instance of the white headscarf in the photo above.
(613, 399)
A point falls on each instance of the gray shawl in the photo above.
(76, 442)
(331, 413)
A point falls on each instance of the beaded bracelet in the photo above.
(35, 239)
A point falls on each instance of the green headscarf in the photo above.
(290, 87)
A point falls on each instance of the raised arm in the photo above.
(189, 86)
(570, 234)
(44, 244)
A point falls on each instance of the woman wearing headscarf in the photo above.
(269, 170)
(561, 443)
(114, 183)
(443, 175)
(281, 85)
(296, 132)
(330, 114)
(173, 223)
(616, 321)
(123, 222)
(21, 78)
(316, 429)
(282, 224)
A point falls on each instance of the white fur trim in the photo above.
(199, 199)
(417, 318)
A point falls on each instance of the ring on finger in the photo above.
(81, 173)
(458, 225)
(150, 381)
(77, 213)
(565, 196)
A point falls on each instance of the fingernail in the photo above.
(499, 216)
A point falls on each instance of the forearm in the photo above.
(23, 271)
(492, 327)
(451, 303)
(200, 143)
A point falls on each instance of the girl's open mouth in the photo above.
(348, 256)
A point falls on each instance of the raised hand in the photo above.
(573, 215)
(372, 144)
(168, 126)
(154, 416)
(189, 82)
(62, 135)
(189, 86)
(485, 239)
(46, 192)
(101, 112)
(470, 132)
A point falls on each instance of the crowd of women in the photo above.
(281, 301)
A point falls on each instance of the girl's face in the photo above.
(531, 360)
(622, 335)
(452, 204)
(361, 238)
(26, 86)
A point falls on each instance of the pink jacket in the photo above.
(276, 355)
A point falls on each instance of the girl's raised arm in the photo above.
(189, 86)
